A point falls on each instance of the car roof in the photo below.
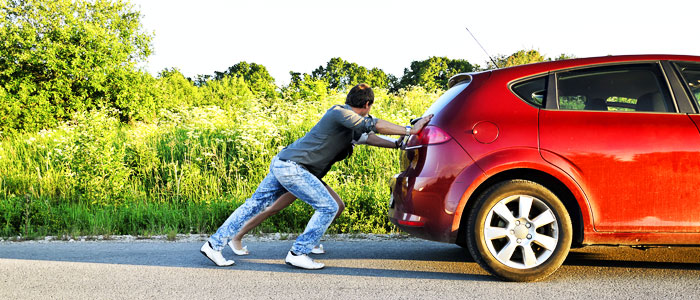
(528, 69)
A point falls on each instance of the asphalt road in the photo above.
(355, 269)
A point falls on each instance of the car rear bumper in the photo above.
(418, 194)
(432, 224)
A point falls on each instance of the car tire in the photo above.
(519, 231)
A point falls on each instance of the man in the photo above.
(298, 169)
(236, 243)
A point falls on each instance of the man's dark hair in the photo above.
(359, 95)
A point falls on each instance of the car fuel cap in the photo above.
(485, 132)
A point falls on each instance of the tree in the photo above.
(340, 74)
(176, 90)
(564, 56)
(434, 72)
(62, 56)
(257, 77)
(304, 86)
(201, 79)
(523, 57)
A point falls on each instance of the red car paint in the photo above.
(626, 178)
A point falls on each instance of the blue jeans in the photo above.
(284, 176)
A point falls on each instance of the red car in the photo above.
(521, 164)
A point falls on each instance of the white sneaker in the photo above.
(318, 249)
(215, 256)
(243, 251)
(302, 261)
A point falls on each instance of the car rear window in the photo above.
(533, 91)
(440, 103)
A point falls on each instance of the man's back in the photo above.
(332, 135)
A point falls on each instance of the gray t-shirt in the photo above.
(328, 139)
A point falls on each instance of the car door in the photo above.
(635, 157)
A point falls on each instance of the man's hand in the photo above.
(420, 124)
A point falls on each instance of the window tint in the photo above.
(448, 96)
(533, 91)
(691, 75)
(638, 87)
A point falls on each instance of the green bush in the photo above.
(185, 170)
(259, 81)
(64, 56)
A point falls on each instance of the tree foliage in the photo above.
(304, 86)
(63, 56)
(522, 57)
(339, 74)
(175, 92)
(564, 56)
(256, 76)
(434, 72)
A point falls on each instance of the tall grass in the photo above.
(184, 171)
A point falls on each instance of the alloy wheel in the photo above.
(520, 231)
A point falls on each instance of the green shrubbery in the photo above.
(186, 169)
(60, 57)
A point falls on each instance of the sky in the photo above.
(204, 36)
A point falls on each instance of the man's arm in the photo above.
(378, 141)
(349, 119)
(385, 127)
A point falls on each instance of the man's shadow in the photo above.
(386, 258)
(397, 259)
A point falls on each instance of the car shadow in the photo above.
(628, 260)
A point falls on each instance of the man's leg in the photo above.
(318, 248)
(341, 204)
(268, 191)
(279, 204)
(309, 189)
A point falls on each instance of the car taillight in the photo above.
(430, 135)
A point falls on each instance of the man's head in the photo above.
(360, 96)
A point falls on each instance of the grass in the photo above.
(185, 171)
(171, 235)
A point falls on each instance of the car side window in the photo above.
(691, 76)
(532, 91)
(623, 88)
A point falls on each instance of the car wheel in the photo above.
(519, 231)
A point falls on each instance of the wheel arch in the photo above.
(555, 185)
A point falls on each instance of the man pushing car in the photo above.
(299, 168)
